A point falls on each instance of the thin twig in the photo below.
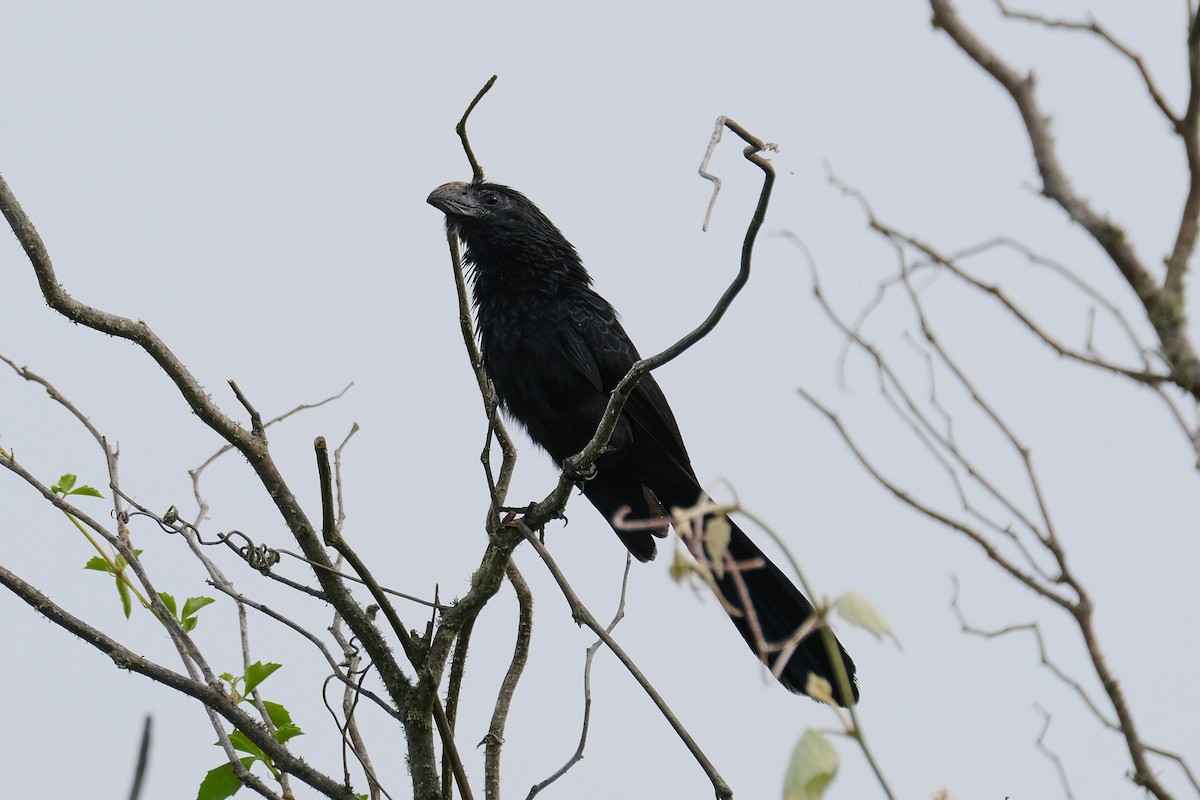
(494, 740)
(1095, 28)
(581, 461)
(1050, 754)
(476, 169)
(577, 756)
(580, 613)
(143, 759)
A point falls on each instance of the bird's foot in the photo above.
(519, 511)
(575, 474)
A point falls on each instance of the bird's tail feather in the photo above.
(775, 613)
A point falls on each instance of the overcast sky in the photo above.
(250, 180)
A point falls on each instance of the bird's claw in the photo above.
(577, 475)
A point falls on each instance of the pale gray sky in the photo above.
(251, 181)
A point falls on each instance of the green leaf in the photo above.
(858, 611)
(227, 677)
(99, 564)
(288, 730)
(681, 565)
(716, 541)
(258, 672)
(87, 491)
(241, 742)
(126, 602)
(819, 689)
(189, 623)
(194, 604)
(121, 563)
(814, 764)
(279, 715)
(64, 485)
(221, 783)
(169, 602)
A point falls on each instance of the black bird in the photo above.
(554, 350)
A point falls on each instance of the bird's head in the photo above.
(479, 205)
(503, 230)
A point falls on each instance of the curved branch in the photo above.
(550, 507)
(508, 686)
(461, 129)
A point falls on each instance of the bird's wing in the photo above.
(600, 348)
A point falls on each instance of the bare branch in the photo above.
(1050, 754)
(975, 536)
(508, 686)
(577, 756)
(476, 169)
(1096, 29)
(143, 759)
(581, 461)
(1164, 304)
(580, 613)
(196, 472)
(1043, 657)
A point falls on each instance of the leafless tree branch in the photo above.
(1164, 303)
(581, 613)
(577, 756)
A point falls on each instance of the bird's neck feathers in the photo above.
(534, 261)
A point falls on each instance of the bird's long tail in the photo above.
(764, 605)
(769, 611)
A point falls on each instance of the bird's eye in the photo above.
(491, 199)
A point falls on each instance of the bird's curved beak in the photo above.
(453, 199)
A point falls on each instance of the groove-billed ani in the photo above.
(554, 350)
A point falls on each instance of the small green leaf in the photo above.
(126, 601)
(287, 731)
(169, 602)
(194, 604)
(279, 715)
(227, 677)
(814, 764)
(716, 541)
(681, 521)
(87, 491)
(121, 563)
(188, 624)
(819, 689)
(258, 672)
(241, 742)
(99, 564)
(858, 611)
(64, 485)
(681, 565)
(221, 783)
